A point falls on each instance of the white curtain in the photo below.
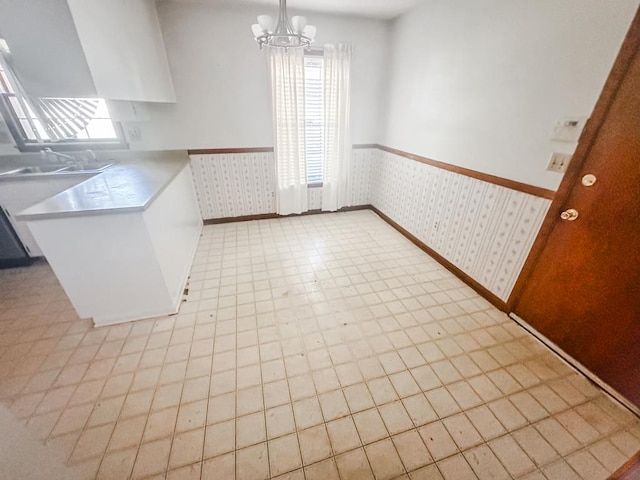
(337, 141)
(287, 83)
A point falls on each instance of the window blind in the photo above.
(314, 117)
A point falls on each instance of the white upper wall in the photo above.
(222, 85)
(481, 84)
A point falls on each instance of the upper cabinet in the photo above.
(124, 48)
(45, 48)
(111, 49)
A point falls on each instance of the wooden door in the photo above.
(582, 291)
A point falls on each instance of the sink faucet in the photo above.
(60, 157)
(92, 156)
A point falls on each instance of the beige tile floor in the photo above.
(319, 347)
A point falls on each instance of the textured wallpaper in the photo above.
(484, 229)
(234, 185)
(240, 184)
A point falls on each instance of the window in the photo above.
(71, 123)
(314, 117)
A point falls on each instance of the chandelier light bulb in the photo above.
(266, 23)
(310, 32)
(257, 30)
(298, 23)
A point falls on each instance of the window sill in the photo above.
(314, 185)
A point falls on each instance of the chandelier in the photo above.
(287, 33)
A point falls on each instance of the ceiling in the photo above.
(382, 9)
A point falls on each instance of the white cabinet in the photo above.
(125, 50)
(45, 48)
(111, 49)
(18, 194)
(128, 263)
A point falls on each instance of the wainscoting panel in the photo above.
(235, 184)
(314, 197)
(361, 172)
(241, 184)
(484, 229)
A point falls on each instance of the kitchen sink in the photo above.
(89, 167)
(86, 167)
(36, 169)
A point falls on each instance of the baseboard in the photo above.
(269, 216)
(144, 315)
(629, 471)
(576, 365)
(246, 218)
(483, 291)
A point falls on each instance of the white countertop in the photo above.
(125, 187)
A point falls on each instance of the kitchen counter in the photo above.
(119, 188)
(121, 243)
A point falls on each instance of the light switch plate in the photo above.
(559, 162)
(568, 129)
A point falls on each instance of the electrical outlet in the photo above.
(135, 134)
(559, 162)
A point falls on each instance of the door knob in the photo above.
(569, 215)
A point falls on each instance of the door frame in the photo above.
(621, 65)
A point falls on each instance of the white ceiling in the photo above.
(383, 9)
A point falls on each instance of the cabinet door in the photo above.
(113, 49)
(124, 48)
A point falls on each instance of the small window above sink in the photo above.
(60, 123)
